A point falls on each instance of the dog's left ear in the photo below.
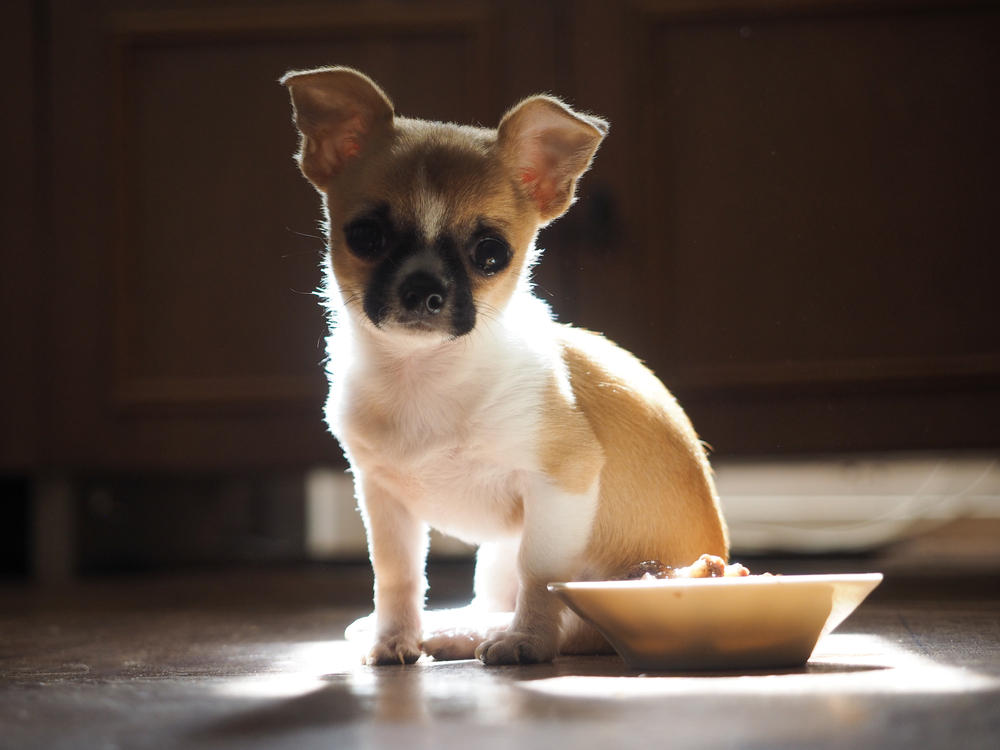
(550, 146)
(338, 111)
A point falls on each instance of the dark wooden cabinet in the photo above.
(810, 222)
(795, 220)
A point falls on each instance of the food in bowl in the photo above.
(706, 566)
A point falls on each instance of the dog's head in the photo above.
(431, 225)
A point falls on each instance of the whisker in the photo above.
(303, 252)
(303, 234)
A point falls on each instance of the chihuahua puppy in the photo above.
(460, 403)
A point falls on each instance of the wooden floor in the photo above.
(255, 659)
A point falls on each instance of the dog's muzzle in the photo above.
(421, 288)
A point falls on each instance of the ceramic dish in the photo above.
(753, 622)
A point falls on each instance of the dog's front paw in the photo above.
(394, 649)
(516, 648)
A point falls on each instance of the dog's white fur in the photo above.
(519, 435)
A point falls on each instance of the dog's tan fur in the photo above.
(657, 497)
(597, 466)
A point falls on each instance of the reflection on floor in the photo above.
(254, 659)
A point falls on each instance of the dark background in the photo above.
(795, 221)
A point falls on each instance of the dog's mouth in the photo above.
(419, 326)
(445, 322)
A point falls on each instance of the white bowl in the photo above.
(754, 622)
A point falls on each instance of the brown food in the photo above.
(706, 566)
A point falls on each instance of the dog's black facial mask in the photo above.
(415, 285)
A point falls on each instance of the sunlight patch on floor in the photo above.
(299, 668)
(841, 664)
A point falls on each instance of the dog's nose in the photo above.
(422, 293)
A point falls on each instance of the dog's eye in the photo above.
(364, 237)
(491, 255)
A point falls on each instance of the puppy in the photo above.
(460, 403)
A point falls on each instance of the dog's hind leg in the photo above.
(455, 633)
(451, 634)
(496, 576)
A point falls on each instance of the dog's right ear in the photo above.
(337, 111)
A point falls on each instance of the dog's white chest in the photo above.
(454, 451)
(453, 485)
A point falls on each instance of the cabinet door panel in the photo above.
(814, 218)
(827, 188)
(217, 259)
(190, 246)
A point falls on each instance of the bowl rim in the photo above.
(752, 580)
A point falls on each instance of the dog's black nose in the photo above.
(422, 293)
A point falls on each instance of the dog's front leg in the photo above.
(397, 543)
(557, 526)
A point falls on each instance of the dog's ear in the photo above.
(550, 146)
(337, 111)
